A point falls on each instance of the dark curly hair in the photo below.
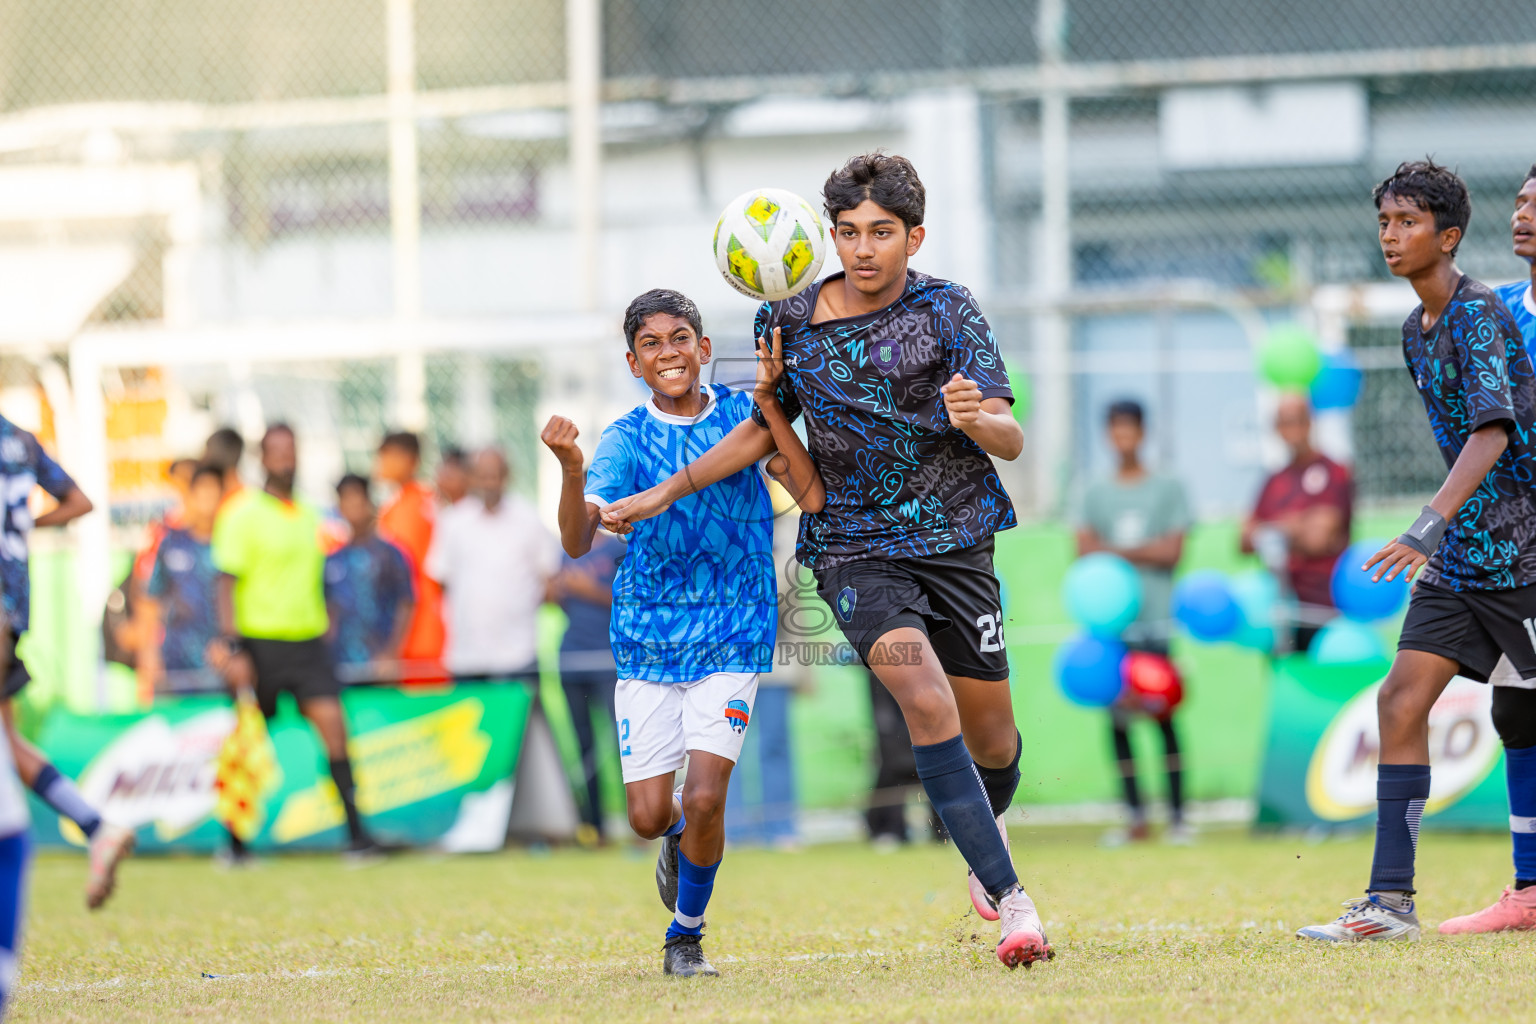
(890, 181)
(1433, 189)
(660, 300)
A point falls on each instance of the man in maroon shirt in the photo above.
(1305, 507)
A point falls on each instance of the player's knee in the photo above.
(1514, 716)
(925, 707)
(704, 798)
(1398, 706)
(650, 822)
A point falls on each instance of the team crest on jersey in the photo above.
(846, 599)
(885, 354)
(738, 714)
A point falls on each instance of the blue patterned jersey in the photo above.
(1522, 306)
(696, 592)
(23, 465)
(366, 582)
(1472, 370)
(185, 582)
(901, 481)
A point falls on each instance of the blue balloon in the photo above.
(1088, 669)
(1256, 593)
(1345, 642)
(1203, 603)
(1102, 593)
(1337, 385)
(1353, 592)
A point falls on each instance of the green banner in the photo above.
(1320, 761)
(432, 766)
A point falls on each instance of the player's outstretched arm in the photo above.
(73, 505)
(792, 466)
(744, 445)
(987, 421)
(1410, 551)
(578, 516)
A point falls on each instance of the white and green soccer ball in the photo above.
(769, 244)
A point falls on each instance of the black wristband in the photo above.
(1425, 533)
(232, 643)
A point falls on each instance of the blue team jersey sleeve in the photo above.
(158, 583)
(50, 475)
(970, 347)
(400, 588)
(611, 475)
(1482, 336)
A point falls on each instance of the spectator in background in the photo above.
(407, 521)
(452, 477)
(583, 588)
(181, 599)
(271, 599)
(369, 595)
(493, 557)
(1300, 524)
(223, 450)
(1142, 517)
(142, 638)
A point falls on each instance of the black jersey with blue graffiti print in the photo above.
(1472, 370)
(901, 481)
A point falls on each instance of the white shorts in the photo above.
(660, 722)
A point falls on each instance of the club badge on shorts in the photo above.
(738, 714)
(885, 354)
(846, 598)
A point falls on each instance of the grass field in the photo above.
(1150, 933)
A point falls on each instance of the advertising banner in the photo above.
(1320, 760)
(433, 766)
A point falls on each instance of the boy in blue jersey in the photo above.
(183, 592)
(906, 403)
(1475, 541)
(25, 466)
(694, 601)
(369, 595)
(15, 852)
(1514, 699)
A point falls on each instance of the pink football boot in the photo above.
(1515, 912)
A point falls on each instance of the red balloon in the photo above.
(1152, 682)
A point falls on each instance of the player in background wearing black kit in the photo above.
(906, 401)
(1475, 541)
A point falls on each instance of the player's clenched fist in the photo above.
(559, 436)
(962, 400)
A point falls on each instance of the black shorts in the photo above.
(300, 667)
(1473, 627)
(953, 597)
(16, 675)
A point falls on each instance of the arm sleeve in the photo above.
(612, 473)
(762, 325)
(970, 347)
(51, 476)
(1482, 340)
(156, 586)
(230, 543)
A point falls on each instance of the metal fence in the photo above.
(447, 202)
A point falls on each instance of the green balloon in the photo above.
(1019, 382)
(1289, 358)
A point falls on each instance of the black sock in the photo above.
(236, 845)
(1524, 883)
(1002, 783)
(1126, 763)
(1175, 769)
(341, 772)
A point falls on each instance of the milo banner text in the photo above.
(1320, 762)
(433, 766)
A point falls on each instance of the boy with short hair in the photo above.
(694, 604)
(1475, 594)
(368, 593)
(1514, 699)
(907, 402)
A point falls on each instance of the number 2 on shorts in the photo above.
(624, 737)
(991, 632)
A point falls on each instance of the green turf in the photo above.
(1150, 933)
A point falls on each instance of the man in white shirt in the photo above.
(493, 557)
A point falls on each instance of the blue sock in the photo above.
(60, 793)
(955, 790)
(1401, 790)
(676, 828)
(13, 870)
(694, 885)
(1520, 771)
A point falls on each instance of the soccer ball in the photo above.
(769, 244)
